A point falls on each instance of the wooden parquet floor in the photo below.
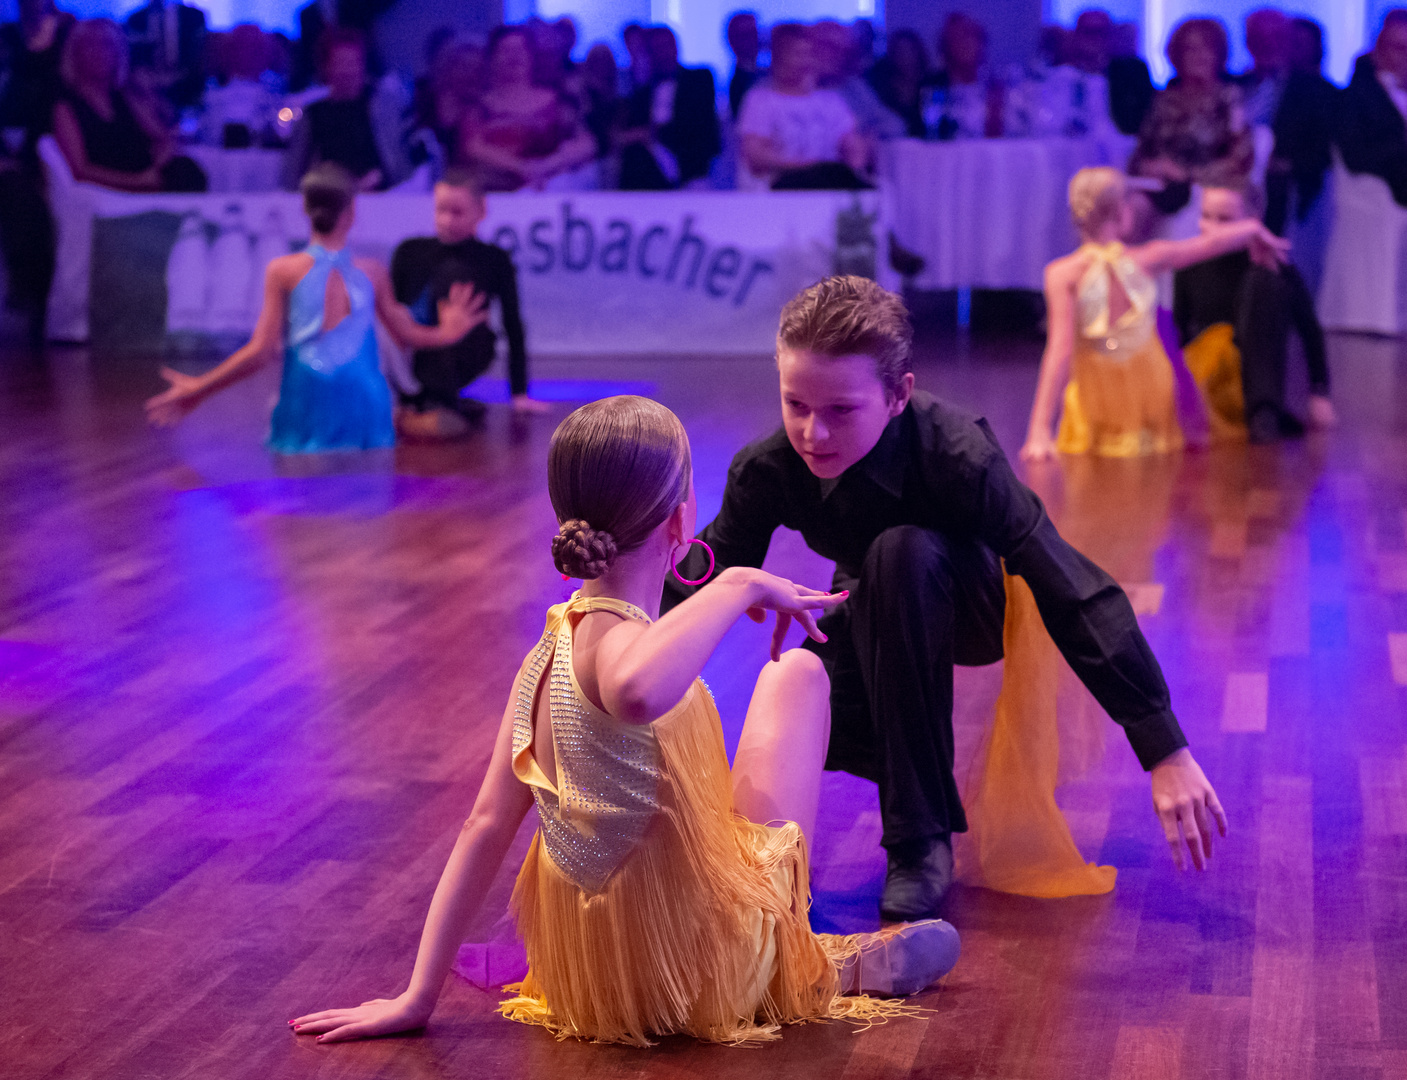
(245, 705)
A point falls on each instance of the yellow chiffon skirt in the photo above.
(1124, 406)
(1215, 363)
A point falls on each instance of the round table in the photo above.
(987, 213)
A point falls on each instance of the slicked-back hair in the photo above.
(851, 316)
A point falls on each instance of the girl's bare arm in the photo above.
(483, 843)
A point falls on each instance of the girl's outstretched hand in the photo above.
(384, 1016)
(172, 405)
(462, 310)
(790, 601)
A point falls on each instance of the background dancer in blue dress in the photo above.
(320, 305)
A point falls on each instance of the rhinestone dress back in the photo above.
(608, 772)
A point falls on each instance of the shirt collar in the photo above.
(883, 464)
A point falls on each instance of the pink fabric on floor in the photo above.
(491, 964)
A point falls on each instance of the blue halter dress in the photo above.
(333, 395)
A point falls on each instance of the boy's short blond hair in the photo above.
(851, 316)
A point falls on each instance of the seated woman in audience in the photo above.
(320, 306)
(521, 134)
(1373, 109)
(1196, 131)
(899, 77)
(1103, 354)
(664, 893)
(973, 104)
(108, 134)
(352, 126)
(793, 135)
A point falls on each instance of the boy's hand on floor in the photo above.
(524, 404)
(1187, 804)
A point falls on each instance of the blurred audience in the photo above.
(1303, 123)
(1373, 114)
(31, 50)
(1075, 101)
(1196, 131)
(972, 103)
(322, 15)
(1130, 83)
(637, 73)
(241, 107)
(793, 134)
(745, 42)
(1267, 33)
(167, 41)
(444, 96)
(600, 89)
(352, 126)
(30, 53)
(899, 77)
(670, 135)
(520, 134)
(838, 68)
(109, 134)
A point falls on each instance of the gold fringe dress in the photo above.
(1120, 400)
(647, 906)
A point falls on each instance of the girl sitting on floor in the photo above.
(320, 306)
(1101, 315)
(662, 894)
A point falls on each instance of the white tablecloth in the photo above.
(987, 213)
(242, 171)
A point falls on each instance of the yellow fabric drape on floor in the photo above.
(1017, 840)
(1215, 363)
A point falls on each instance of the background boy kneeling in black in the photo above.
(422, 270)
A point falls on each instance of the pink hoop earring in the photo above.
(674, 565)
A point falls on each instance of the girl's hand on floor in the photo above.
(172, 405)
(1038, 448)
(384, 1016)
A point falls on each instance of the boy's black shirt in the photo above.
(422, 270)
(1211, 292)
(942, 469)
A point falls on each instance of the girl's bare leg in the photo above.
(777, 771)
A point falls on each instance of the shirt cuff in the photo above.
(1154, 737)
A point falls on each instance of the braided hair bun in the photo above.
(581, 551)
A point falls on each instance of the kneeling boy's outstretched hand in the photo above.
(1185, 800)
(384, 1016)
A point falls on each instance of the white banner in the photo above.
(598, 272)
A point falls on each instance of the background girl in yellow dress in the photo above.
(1102, 345)
(663, 893)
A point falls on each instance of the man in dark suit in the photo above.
(1130, 85)
(318, 16)
(671, 131)
(168, 42)
(1304, 130)
(1372, 127)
